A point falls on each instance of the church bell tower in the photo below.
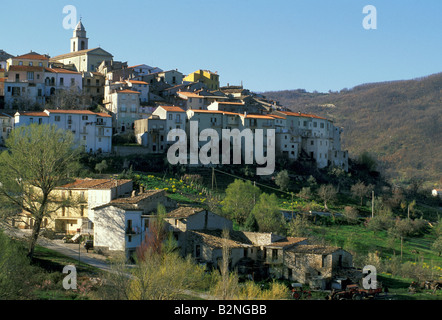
(79, 41)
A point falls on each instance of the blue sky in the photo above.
(268, 45)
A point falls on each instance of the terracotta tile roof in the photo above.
(33, 113)
(258, 116)
(27, 68)
(138, 65)
(184, 212)
(172, 108)
(189, 94)
(104, 115)
(94, 184)
(137, 82)
(61, 70)
(71, 111)
(299, 114)
(128, 91)
(231, 103)
(32, 56)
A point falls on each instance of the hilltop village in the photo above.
(147, 102)
(98, 99)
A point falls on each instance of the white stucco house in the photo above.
(121, 224)
(91, 130)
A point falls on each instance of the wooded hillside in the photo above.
(399, 122)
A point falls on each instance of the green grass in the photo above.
(398, 289)
(362, 240)
(48, 280)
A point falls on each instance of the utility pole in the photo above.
(372, 204)
(292, 205)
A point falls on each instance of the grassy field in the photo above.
(49, 278)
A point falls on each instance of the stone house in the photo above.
(316, 265)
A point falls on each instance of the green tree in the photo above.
(100, 167)
(240, 199)
(268, 214)
(39, 158)
(305, 193)
(300, 226)
(437, 245)
(282, 180)
(251, 223)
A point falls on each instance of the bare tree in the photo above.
(361, 190)
(327, 193)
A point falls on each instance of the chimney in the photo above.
(141, 189)
(133, 194)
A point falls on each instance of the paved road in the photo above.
(71, 250)
(67, 249)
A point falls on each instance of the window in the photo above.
(170, 116)
(31, 63)
(315, 124)
(197, 251)
(84, 117)
(72, 81)
(40, 64)
(312, 142)
(274, 254)
(30, 75)
(20, 63)
(57, 118)
(17, 77)
(61, 81)
(322, 125)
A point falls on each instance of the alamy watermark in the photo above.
(70, 281)
(370, 280)
(209, 153)
(370, 21)
(70, 20)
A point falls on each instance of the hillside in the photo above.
(398, 122)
